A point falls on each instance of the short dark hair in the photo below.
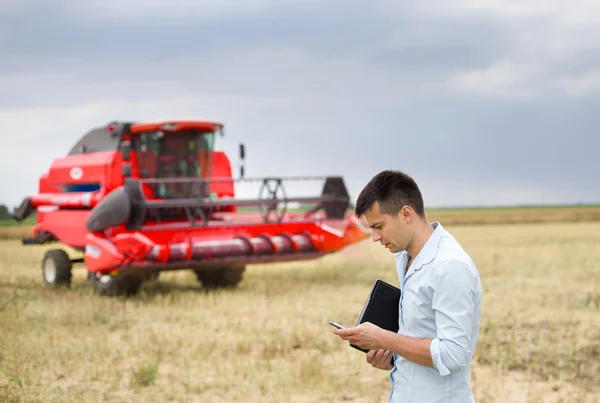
(393, 190)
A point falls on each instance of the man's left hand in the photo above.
(366, 336)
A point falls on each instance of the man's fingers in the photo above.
(379, 357)
(374, 357)
(349, 331)
(346, 337)
(387, 362)
(383, 360)
(386, 359)
(371, 357)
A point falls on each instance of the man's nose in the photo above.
(376, 236)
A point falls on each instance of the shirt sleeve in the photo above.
(454, 302)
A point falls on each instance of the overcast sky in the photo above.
(484, 102)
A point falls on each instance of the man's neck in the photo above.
(422, 234)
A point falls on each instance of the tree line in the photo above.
(5, 212)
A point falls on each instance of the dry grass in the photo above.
(518, 215)
(268, 340)
(15, 232)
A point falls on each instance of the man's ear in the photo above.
(407, 214)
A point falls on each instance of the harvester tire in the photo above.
(222, 277)
(56, 268)
(117, 285)
(152, 276)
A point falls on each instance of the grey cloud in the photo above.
(333, 29)
(406, 44)
(484, 148)
(334, 88)
(333, 26)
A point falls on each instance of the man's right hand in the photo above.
(381, 359)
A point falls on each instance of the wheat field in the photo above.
(269, 341)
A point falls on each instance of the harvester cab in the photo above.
(139, 198)
(186, 153)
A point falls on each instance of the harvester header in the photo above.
(139, 198)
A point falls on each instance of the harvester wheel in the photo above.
(152, 276)
(56, 268)
(117, 285)
(221, 277)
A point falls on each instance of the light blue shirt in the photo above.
(441, 299)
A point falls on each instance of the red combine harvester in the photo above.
(138, 198)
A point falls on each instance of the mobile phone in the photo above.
(332, 323)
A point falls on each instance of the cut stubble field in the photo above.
(268, 340)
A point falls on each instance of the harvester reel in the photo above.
(272, 190)
(335, 186)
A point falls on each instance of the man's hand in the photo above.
(381, 359)
(366, 335)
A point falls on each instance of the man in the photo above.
(440, 304)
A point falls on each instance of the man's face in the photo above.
(392, 231)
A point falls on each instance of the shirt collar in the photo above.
(429, 250)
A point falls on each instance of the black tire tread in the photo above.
(119, 285)
(222, 277)
(63, 265)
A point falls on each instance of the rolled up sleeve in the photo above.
(453, 303)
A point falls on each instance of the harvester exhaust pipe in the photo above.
(242, 157)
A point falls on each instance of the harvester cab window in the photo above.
(184, 154)
(147, 152)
